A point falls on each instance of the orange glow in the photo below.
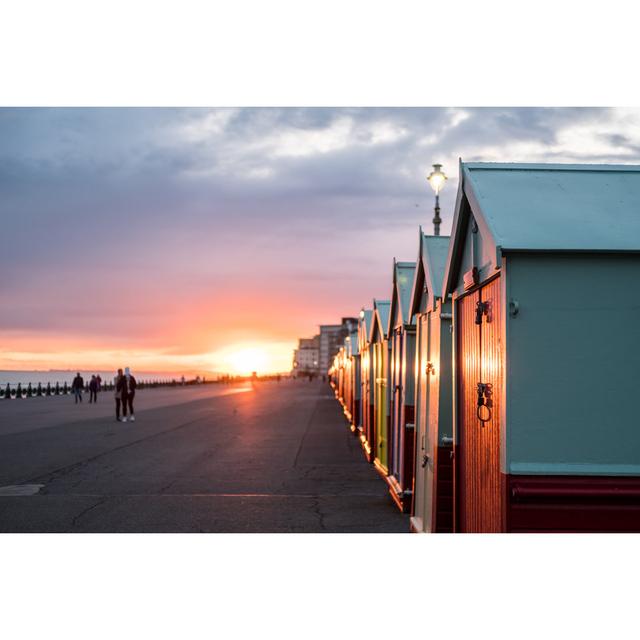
(246, 361)
(240, 358)
(245, 358)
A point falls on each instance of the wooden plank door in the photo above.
(382, 405)
(396, 408)
(375, 429)
(371, 376)
(479, 361)
(420, 422)
(380, 450)
(408, 411)
(426, 457)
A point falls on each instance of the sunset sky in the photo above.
(175, 239)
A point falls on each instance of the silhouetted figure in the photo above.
(118, 393)
(77, 386)
(128, 386)
(99, 381)
(93, 390)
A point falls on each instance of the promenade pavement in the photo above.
(275, 457)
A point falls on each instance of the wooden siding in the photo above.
(479, 360)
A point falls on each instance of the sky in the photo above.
(199, 240)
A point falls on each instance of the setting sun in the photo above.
(246, 361)
(242, 359)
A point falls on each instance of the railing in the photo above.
(39, 390)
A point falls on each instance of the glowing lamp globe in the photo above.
(437, 178)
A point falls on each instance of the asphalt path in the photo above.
(273, 457)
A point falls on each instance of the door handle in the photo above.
(485, 391)
(482, 309)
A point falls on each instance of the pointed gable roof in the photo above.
(367, 320)
(380, 319)
(403, 273)
(364, 326)
(353, 344)
(430, 266)
(547, 207)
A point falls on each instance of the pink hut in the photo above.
(402, 338)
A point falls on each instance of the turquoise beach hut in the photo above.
(543, 269)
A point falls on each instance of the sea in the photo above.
(57, 375)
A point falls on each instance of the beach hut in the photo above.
(401, 332)
(544, 270)
(367, 381)
(334, 374)
(342, 361)
(354, 404)
(432, 509)
(380, 343)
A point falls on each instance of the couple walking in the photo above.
(125, 391)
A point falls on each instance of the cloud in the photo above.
(176, 228)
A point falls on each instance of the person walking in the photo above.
(93, 390)
(128, 387)
(99, 381)
(132, 385)
(117, 385)
(77, 386)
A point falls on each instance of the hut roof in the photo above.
(353, 344)
(380, 318)
(367, 321)
(403, 273)
(432, 260)
(548, 207)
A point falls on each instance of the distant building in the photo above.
(315, 355)
(306, 357)
(332, 338)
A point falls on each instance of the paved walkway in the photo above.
(51, 411)
(277, 458)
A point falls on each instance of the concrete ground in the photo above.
(277, 458)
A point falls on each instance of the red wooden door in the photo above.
(479, 361)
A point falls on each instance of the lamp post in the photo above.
(437, 179)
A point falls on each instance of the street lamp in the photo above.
(437, 179)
